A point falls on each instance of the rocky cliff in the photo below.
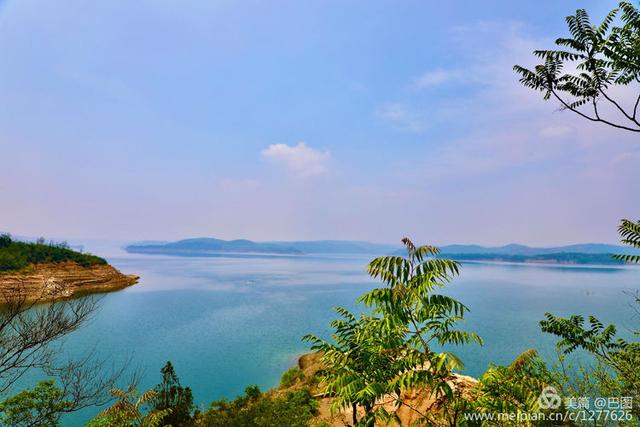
(49, 281)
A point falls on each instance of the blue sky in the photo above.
(298, 120)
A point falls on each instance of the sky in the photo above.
(285, 120)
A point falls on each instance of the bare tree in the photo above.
(31, 323)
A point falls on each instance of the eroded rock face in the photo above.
(46, 282)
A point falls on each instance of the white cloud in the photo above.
(403, 117)
(300, 159)
(555, 131)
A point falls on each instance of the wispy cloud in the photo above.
(436, 78)
(403, 117)
(555, 131)
(300, 159)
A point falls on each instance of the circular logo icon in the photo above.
(549, 399)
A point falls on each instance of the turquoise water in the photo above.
(228, 322)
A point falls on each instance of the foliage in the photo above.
(127, 411)
(254, 409)
(394, 349)
(513, 389)
(361, 363)
(18, 255)
(604, 56)
(290, 376)
(172, 396)
(612, 353)
(5, 240)
(409, 301)
(630, 233)
(591, 380)
(41, 406)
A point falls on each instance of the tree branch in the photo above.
(593, 119)
(624, 113)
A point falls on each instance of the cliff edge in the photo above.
(49, 281)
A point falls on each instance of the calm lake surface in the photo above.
(227, 322)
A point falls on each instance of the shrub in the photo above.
(295, 409)
(290, 376)
(172, 396)
(5, 240)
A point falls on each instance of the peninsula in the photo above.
(40, 272)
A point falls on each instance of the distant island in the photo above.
(588, 253)
(43, 271)
(209, 246)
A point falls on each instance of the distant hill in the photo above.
(588, 253)
(209, 246)
(204, 245)
(515, 249)
(585, 253)
(342, 247)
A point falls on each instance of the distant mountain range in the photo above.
(585, 253)
(588, 253)
(515, 249)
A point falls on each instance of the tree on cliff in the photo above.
(169, 394)
(601, 57)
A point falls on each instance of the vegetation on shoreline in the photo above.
(19, 255)
(170, 404)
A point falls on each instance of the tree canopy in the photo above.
(583, 72)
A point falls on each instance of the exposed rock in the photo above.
(46, 282)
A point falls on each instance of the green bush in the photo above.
(290, 376)
(40, 406)
(295, 409)
(5, 240)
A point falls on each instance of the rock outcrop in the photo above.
(46, 282)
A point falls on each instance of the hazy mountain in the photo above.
(341, 246)
(588, 253)
(515, 249)
(205, 245)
